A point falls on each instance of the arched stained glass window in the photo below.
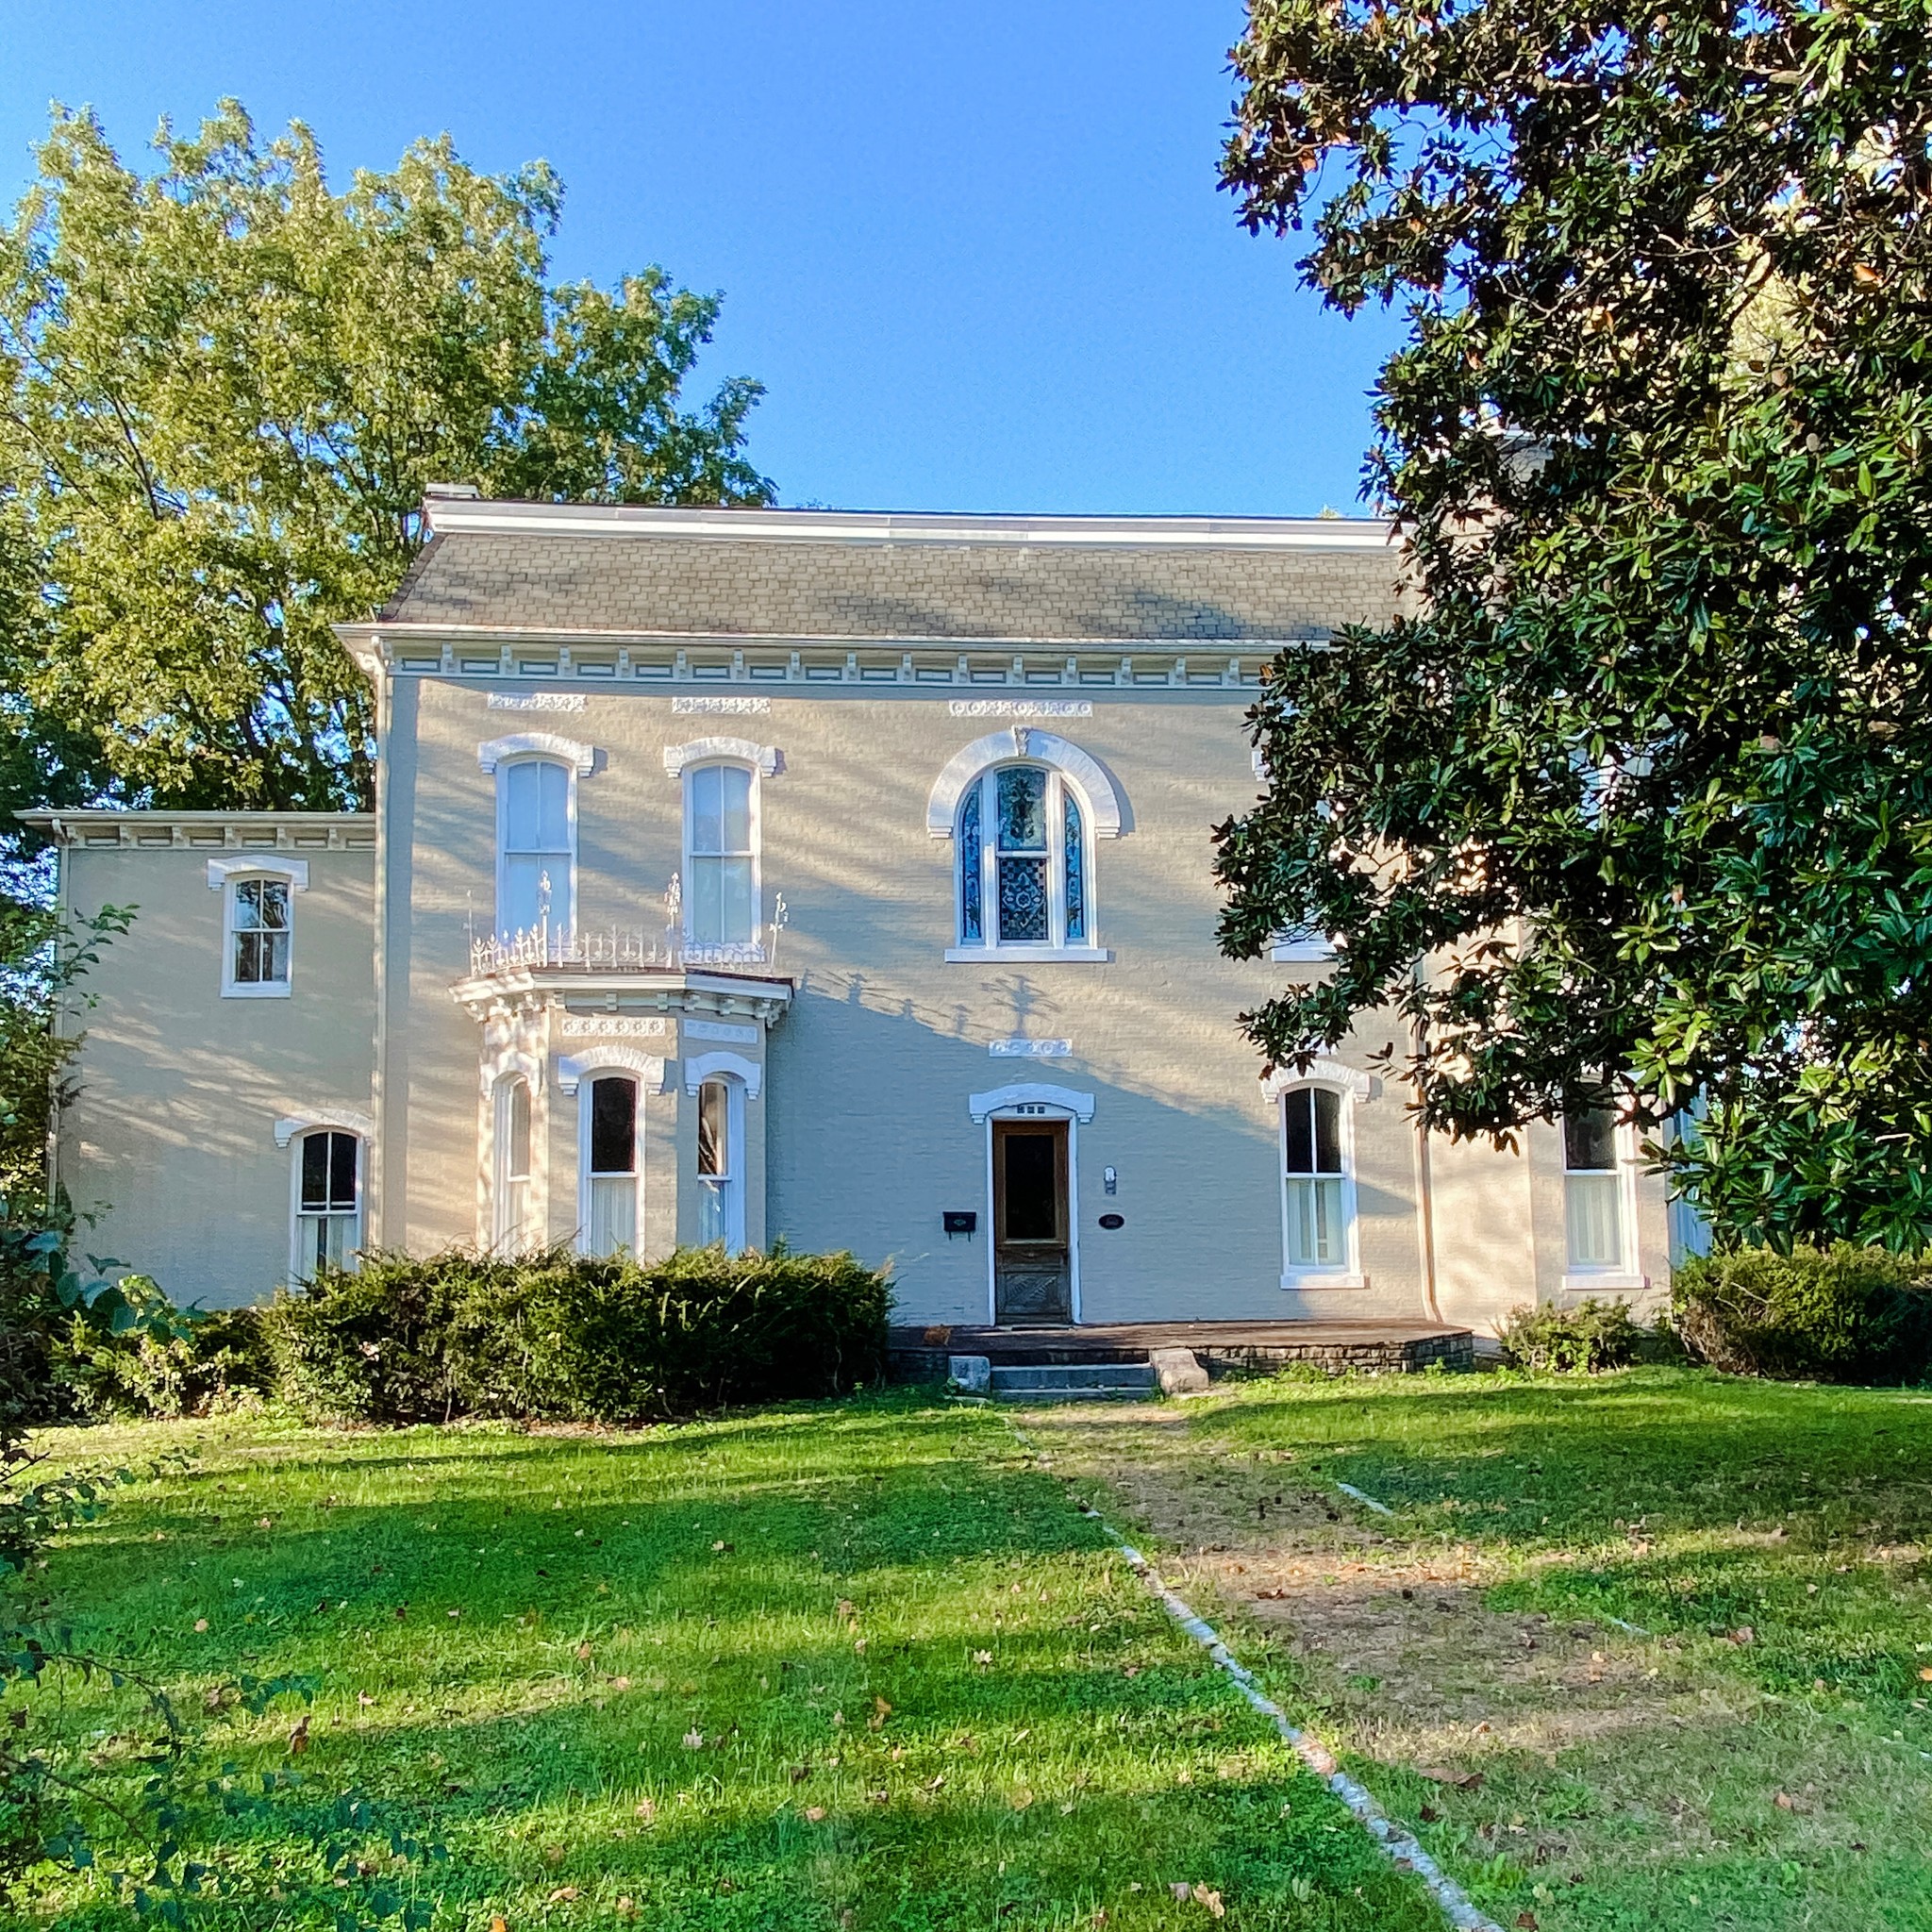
(1023, 871)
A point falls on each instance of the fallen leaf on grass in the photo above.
(563, 1894)
(1183, 1890)
(1526, 1921)
(1925, 1675)
(626, 1906)
(553, 1854)
(201, 1625)
(814, 1814)
(647, 1810)
(1020, 1800)
(498, 1923)
(1741, 1636)
(1211, 1900)
(298, 1739)
(1462, 1780)
(694, 1740)
(722, 1548)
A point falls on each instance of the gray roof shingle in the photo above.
(899, 590)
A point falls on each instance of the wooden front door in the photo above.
(1032, 1271)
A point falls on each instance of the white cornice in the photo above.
(465, 517)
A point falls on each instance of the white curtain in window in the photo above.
(1593, 1190)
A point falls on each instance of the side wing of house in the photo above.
(214, 1125)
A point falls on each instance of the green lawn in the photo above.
(857, 1665)
(1754, 1756)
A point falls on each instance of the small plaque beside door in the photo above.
(1113, 1221)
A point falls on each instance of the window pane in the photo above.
(1022, 809)
(971, 921)
(1328, 1105)
(1592, 1210)
(714, 1128)
(552, 820)
(1076, 870)
(315, 1171)
(736, 913)
(613, 1126)
(272, 900)
(1024, 907)
(1315, 1234)
(707, 902)
(248, 906)
(1298, 1119)
(1589, 1139)
(517, 1147)
(522, 893)
(613, 1214)
(706, 810)
(341, 1169)
(519, 808)
(710, 1212)
(734, 784)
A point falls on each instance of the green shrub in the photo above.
(1583, 1340)
(569, 1337)
(1843, 1314)
(202, 1363)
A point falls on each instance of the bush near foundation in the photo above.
(570, 1338)
(1585, 1340)
(1838, 1314)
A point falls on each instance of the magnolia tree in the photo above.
(226, 386)
(1645, 774)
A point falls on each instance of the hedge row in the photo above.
(564, 1337)
(1841, 1314)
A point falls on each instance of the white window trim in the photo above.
(1011, 952)
(753, 949)
(766, 759)
(576, 1068)
(1623, 1276)
(1022, 744)
(1351, 1087)
(1303, 949)
(577, 1074)
(1013, 956)
(535, 747)
(711, 1066)
(344, 1119)
(581, 758)
(223, 875)
(300, 1126)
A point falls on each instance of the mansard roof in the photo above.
(566, 568)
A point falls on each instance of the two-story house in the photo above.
(739, 874)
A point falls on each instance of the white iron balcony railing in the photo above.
(618, 949)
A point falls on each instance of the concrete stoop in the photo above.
(1165, 1371)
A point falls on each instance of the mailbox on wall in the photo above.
(959, 1221)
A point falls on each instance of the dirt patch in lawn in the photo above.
(1565, 1747)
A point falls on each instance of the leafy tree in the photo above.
(227, 386)
(1644, 772)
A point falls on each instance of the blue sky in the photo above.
(976, 253)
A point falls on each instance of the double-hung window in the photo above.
(261, 932)
(720, 1163)
(514, 1217)
(1316, 1204)
(720, 857)
(1592, 1191)
(610, 1176)
(535, 860)
(1023, 861)
(328, 1201)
